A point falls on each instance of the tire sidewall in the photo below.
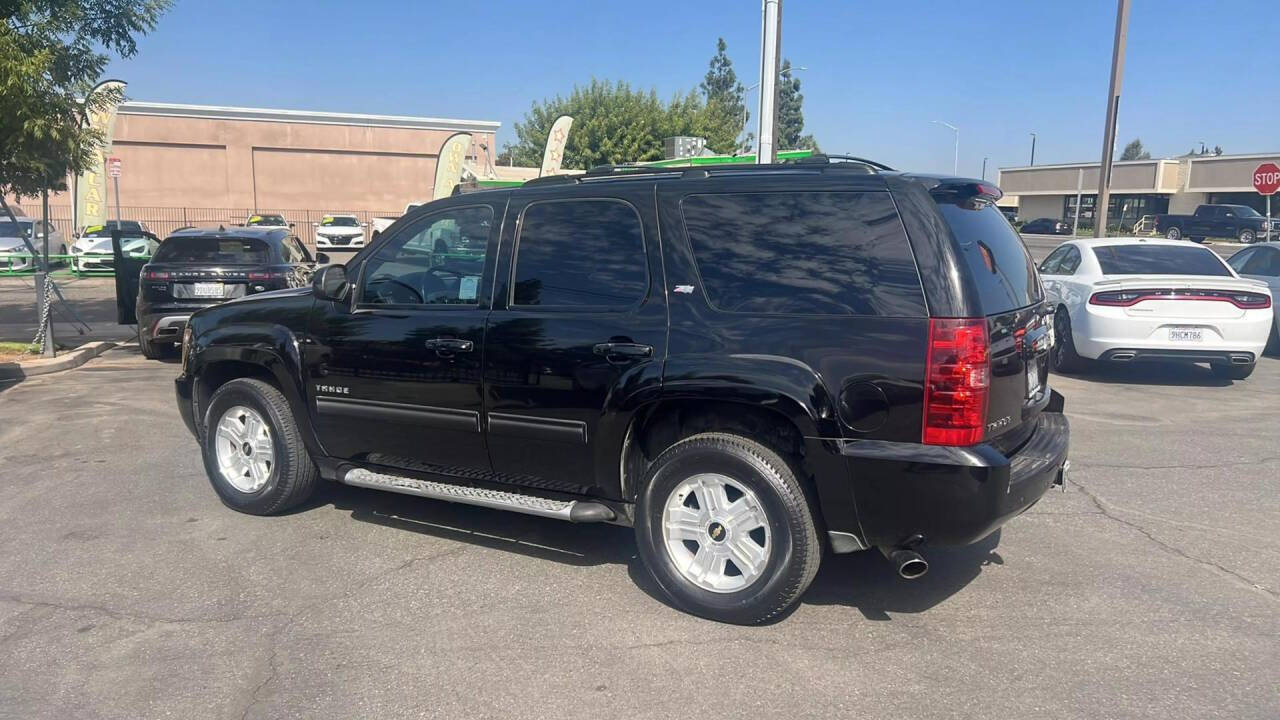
(1247, 237)
(781, 570)
(1174, 234)
(239, 392)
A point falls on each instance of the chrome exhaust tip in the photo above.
(908, 563)
(1122, 357)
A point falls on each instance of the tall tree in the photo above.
(722, 95)
(52, 52)
(1134, 151)
(791, 113)
(612, 123)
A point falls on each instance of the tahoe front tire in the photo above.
(724, 527)
(253, 451)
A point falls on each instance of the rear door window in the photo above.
(1159, 260)
(580, 254)
(998, 262)
(227, 251)
(804, 253)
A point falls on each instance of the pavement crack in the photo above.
(1189, 466)
(1108, 511)
(126, 615)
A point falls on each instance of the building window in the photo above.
(1123, 211)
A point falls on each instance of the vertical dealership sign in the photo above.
(553, 155)
(91, 185)
(453, 157)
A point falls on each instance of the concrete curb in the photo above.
(72, 359)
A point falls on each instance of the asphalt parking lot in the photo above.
(1150, 589)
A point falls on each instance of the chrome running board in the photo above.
(571, 510)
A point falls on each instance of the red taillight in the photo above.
(157, 275)
(957, 379)
(1129, 298)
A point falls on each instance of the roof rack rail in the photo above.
(552, 180)
(826, 160)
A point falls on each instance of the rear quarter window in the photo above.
(803, 253)
(1159, 260)
(998, 261)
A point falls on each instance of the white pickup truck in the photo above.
(382, 223)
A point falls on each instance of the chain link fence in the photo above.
(164, 220)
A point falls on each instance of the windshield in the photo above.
(265, 220)
(340, 222)
(11, 229)
(214, 250)
(1245, 211)
(1159, 260)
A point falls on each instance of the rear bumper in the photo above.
(164, 326)
(1103, 330)
(1225, 357)
(951, 495)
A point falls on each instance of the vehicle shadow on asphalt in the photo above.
(1151, 373)
(863, 581)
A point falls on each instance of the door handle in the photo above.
(622, 352)
(446, 347)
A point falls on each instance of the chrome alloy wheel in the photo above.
(716, 533)
(245, 453)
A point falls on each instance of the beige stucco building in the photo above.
(205, 156)
(1138, 187)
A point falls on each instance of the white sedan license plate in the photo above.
(1033, 377)
(207, 290)
(1186, 334)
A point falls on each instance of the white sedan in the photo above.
(339, 231)
(1123, 300)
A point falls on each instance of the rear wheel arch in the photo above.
(667, 422)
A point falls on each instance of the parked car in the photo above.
(380, 224)
(1239, 222)
(1262, 263)
(1011, 214)
(267, 220)
(340, 231)
(92, 249)
(108, 226)
(1046, 226)
(810, 359)
(195, 268)
(1123, 300)
(14, 253)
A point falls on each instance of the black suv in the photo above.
(747, 364)
(195, 268)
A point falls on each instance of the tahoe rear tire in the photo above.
(253, 450)
(726, 530)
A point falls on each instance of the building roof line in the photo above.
(1060, 166)
(219, 112)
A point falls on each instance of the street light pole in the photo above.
(770, 49)
(955, 165)
(984, 168)
(1113, 108)
(1033, 149)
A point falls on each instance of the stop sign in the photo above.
(1266, 178)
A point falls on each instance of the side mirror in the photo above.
(322, 258)
(290, 226)
(330, 282)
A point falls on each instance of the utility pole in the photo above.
(984, 168)
(770, 51)
(1100, 206)
(1033, 149)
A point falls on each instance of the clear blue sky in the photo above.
(878, 71)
